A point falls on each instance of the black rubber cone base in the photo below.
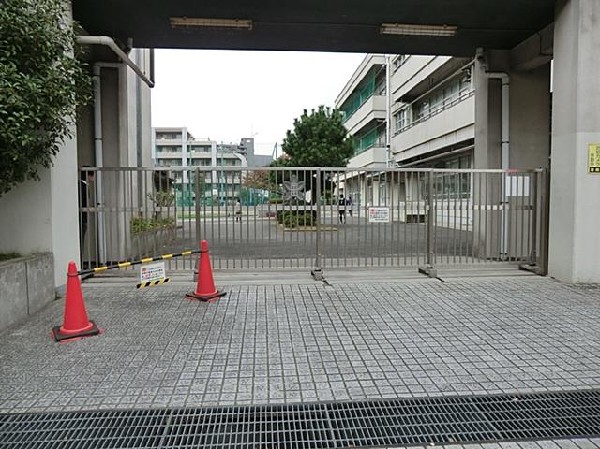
(58, 336)
(214, 297)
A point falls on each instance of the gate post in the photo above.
(537, 258)
(317, 272)
(428, 269)
(197, 202)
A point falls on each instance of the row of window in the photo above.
(441, 98)
(374, 137)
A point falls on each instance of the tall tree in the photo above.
(319, 139)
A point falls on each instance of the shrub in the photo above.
(141, 224)
(41, 83)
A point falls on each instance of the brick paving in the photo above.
(301, 343)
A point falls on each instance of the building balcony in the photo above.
(370, 110)
(359, 74)
(200, 155)
(444, 127)
(169, 155)
(374, 156)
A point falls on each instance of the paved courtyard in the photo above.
(283, 343)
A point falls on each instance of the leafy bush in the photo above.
(41, 83)
(141, 224)
(162, 198)
(295, 218)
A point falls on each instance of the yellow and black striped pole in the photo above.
(152, 283)
(137, 262)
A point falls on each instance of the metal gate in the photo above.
(296, 217)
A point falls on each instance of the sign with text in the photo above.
(594, 158)
(152, 272)
(379, 214)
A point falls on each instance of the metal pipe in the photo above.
(388, 111)
(99, 162)
(505, 158)
(109, 42)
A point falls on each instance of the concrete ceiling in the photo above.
(319, 25)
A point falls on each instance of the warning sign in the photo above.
(379, 214)
(152, 272)
(594, 158)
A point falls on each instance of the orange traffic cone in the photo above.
(75, 323)
(205, 288)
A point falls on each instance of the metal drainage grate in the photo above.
(444, 420)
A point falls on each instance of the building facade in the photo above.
(175, 147)
(417, 111)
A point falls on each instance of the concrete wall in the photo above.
(26, 286)
(373, 157)
(530, 118)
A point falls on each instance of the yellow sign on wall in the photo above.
(594, 158)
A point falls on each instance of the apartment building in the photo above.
(407, 111)
(176, 147)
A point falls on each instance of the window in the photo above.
(401, 119)
(421, 109)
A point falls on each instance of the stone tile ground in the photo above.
(298, 343)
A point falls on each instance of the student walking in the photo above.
(238, 210)
(342, 209)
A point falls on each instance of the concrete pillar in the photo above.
(574, 240)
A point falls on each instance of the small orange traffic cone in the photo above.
(75, 322)
(205, 288)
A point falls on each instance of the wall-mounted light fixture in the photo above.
(186, 22)
(405, 29)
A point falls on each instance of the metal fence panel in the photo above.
(298, 217)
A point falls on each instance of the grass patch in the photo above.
(8, 256)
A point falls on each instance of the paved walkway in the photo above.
(282, 343)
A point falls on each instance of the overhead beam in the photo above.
(534, 51)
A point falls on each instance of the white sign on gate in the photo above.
(379, 214)
(152, 272)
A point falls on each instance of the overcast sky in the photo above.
(227, 95)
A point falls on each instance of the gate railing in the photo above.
(306, 217)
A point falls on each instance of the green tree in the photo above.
(319, 139)
(41, 83)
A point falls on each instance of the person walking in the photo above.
(238, 210)
(342, 209)
(349, 204)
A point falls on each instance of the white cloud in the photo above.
(227, 95)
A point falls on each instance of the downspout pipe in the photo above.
(99, 160)
(109, 42)
(388, 111)
(505, 130)
(505, 158)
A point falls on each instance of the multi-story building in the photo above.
(407, 111)
(176, 147)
